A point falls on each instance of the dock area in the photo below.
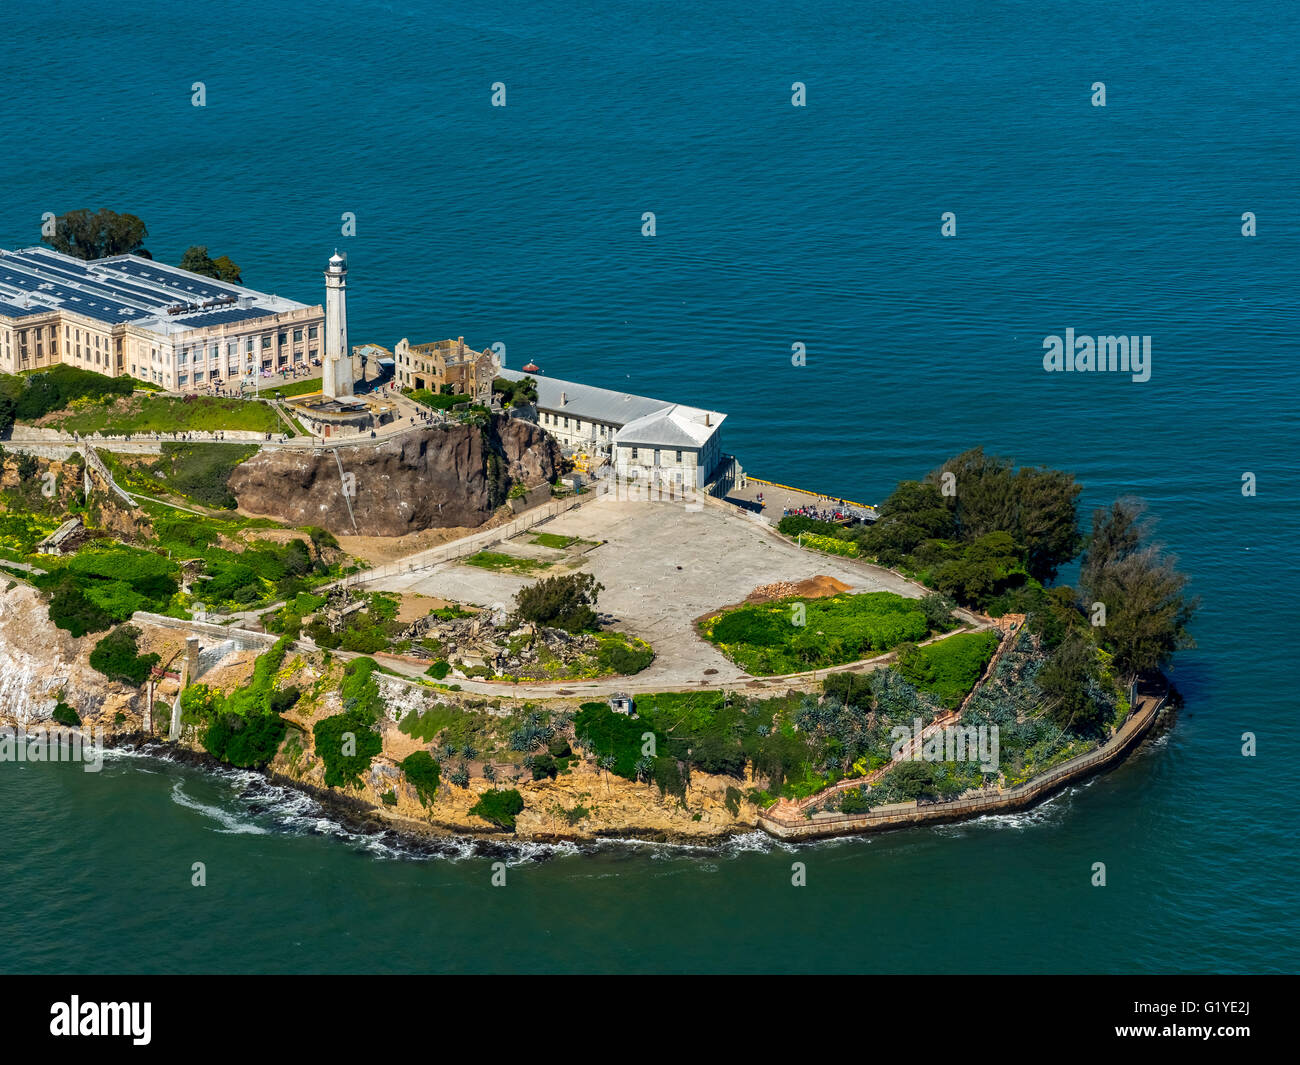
(774, 500)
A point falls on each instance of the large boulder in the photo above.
(439, 477)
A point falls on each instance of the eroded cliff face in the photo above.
(439, 477)
(40, 664)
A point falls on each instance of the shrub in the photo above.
(424, 775)
(832, 545)
(561, 602)
(331, 734)
(117, 656)
(65, 715)
(439, 669)
(499, 807)
(794, 524)
(605, 732)
(617, 657)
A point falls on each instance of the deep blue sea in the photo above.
(775, 225)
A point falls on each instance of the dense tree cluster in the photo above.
(197, 261)
(90, 234)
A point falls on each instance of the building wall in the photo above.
(447, 362)
(277, 342)
(683, 466)
(582, 434)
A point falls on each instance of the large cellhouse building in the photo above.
(154, 322)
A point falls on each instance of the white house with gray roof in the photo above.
(642, 438)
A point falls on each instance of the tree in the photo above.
(1065, 683)
(1147, 611)
(913, 513)
(984, 500)
(97, 234)
(1047, 519)
(227, 270)
(561, 602)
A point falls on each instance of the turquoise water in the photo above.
(775, 225)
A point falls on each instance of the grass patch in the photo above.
(948, 669)
(560, 543)
(495, 560)
(296, 388)
(765, 639)
(168, 414)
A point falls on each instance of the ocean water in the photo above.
(775, 225)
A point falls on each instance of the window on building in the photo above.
(297, 335)
(634, 452)
(266, 342)
(679, 456)
(311, 332)
(282, 337)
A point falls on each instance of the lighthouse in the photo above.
(336, 375)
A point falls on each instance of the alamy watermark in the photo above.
(53, 745)
(950, 743)
(1112, 354)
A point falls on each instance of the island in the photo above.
(446, 597)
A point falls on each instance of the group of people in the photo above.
(819, 513)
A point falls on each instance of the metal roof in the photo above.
(126, 288)
(673, 427)
(576, 400)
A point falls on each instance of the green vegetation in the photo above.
(832, 545)
(171, 414)
(557, 542)
(561, 602)
(423, 773)
(66, 716)
(243, 728)
(764, 639)
(27, 397)
(347, 742)
(367, 631)
(98, 234)
(435, 400)
(495, 560)
(197, 473)
(197, 261)
(294, 388)
(1147, 610)
(515, 393)
(118, 657)
(603, 731)
(621, 654)
(99, 586)
(793, 525)
(499, 807)
(949, 668)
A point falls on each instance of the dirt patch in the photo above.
(412, 606)
(380, 550)
(819, 587)
(233, 671)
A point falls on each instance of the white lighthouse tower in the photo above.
(336, 375)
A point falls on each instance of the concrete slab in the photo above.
(662, 567)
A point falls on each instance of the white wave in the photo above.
(232, 824)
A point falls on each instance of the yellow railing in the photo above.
(804, 491)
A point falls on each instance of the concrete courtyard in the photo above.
(662, 567)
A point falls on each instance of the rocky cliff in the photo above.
(443, 476)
